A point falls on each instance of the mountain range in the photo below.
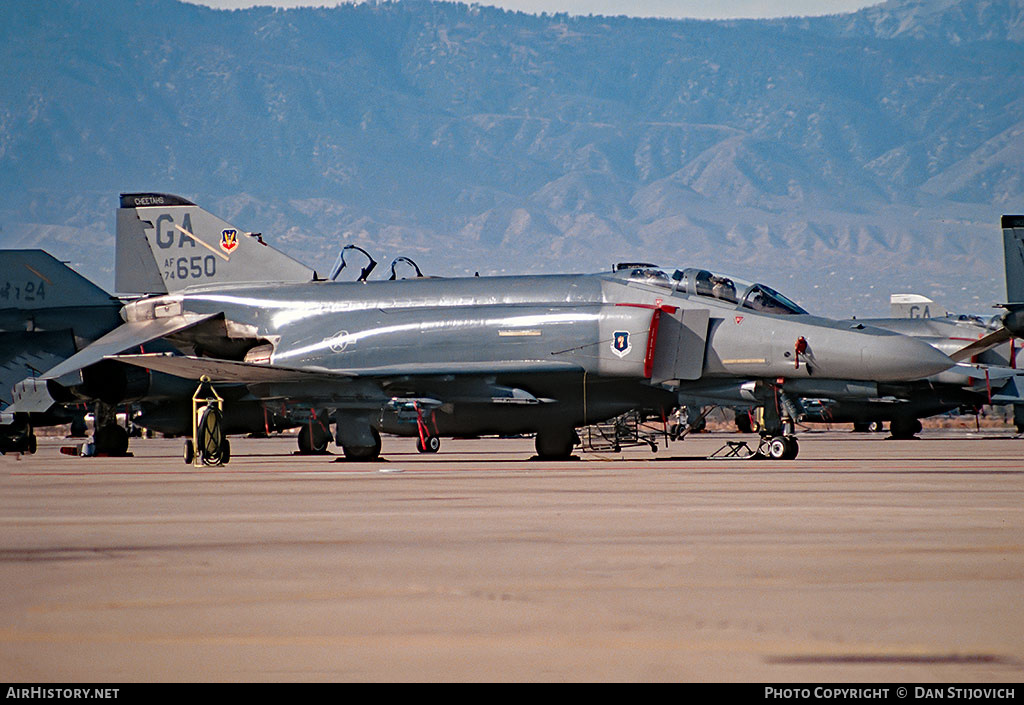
(838, 159)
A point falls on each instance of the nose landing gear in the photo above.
(778, 447)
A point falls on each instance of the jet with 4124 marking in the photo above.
(456, 357)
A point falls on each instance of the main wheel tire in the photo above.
(904, 428)
(188, 452)
(27, 445)
(555, 443)
(111, 440)
(364, 453)
(792, 448)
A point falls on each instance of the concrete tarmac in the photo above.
(863, 560)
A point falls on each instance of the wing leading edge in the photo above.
(191, 367)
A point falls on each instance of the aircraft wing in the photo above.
(233, 371)
(191, 367)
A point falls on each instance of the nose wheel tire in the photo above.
(780, 448)
(777, 448)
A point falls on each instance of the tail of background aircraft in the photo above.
(31, 280)
(166, 243)
(47, 312)
(1013, 255)
(914, 306)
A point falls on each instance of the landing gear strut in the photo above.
(777, 425)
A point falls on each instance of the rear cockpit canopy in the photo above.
(701, 282)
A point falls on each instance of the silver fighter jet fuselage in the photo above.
(466, 356)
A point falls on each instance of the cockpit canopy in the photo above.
(701, 282)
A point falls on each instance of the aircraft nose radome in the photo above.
(899, 357)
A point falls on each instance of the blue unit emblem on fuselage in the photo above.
(620, 343)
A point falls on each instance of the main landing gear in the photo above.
(555, 443)
(363, 452)
(904, 428)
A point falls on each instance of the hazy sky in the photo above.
(703, 9)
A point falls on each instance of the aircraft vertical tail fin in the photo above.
(166, 243)
(34, 280)
(1013, 255)
(914, 306)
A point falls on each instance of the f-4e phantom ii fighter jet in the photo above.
(457, 357)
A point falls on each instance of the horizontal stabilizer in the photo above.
(125, 337)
